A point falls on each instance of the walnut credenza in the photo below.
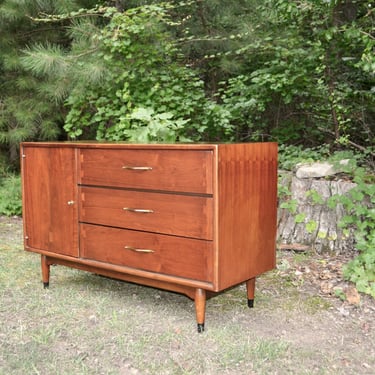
(191, 218)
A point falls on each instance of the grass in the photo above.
(87, 324)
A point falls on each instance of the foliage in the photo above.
(291, 155)
(359, 205)
(10, 195)
(153, 127)
(297, 72)
(307, 74)
(140, 75)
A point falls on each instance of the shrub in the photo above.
(10, 195)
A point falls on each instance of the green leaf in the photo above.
(300, 218)
(311, 226)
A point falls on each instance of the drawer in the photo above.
(170, 255)
(181, 215)
(170, 170)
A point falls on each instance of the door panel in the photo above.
(49, 199)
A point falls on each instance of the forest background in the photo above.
(301, 73)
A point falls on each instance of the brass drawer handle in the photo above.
(138, 250)
(138, 210)
(129, 167)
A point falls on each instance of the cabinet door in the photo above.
(50, 199)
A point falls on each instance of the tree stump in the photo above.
(309, 222)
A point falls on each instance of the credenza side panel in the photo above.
(49, 199)
(247, 211)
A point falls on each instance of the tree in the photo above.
(308, 75)
(300, 72)
(132, 83)
(27, 108)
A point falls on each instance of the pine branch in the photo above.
(44, 60)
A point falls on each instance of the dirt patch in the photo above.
(92, 325)
(318, 320)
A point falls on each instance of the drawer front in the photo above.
(170, 170)
(181, 215)
(170, 255)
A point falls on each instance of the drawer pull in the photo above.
(138, 210)
(138, 250)
(128, 167)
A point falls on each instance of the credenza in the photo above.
(196, 219)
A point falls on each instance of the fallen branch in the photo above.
(293, 246)
(356, 145)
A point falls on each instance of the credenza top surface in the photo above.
(129, 145)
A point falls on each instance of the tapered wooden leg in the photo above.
(200, 308)
(250, 287)
(45, 271)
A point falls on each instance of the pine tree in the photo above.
(30, 107)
